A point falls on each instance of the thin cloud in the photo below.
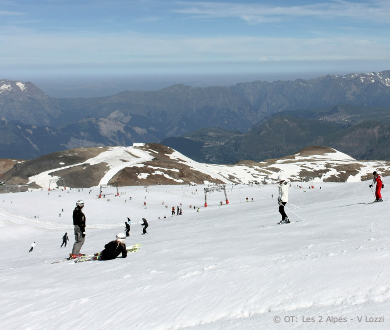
(10, 13)
(23, 46)
(148, 19)
(259, 13)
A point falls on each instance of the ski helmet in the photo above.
(80, 203)
(281, 178)
(374, 173)
(121, 237)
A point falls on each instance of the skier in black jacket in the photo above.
(146, 225)
(65, 239)
(114, 248)
(79, 228)
(127, 229)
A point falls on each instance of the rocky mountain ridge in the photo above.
(362, 132)
(136, 116)
(153, 164)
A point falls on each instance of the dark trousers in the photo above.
(281, 210)
(64, 242)
(79, 240)
(144, 230)
(31, 249)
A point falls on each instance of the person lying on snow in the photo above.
(114, 248)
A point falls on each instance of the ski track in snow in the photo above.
(225, 267)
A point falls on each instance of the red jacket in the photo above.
(378, 181)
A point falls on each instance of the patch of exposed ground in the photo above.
(20, 173)
(7, 164)
(381, 170)
(153, 173)
(85, 175)
(314, 151)
(158, 150)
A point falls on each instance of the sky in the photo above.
(198, 42)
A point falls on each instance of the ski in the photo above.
(374, 202)
(133, 248)
(286, 223)
(278, 224)
(89, 257)
(86, 258)
(66, 259)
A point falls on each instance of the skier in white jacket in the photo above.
(283, 198)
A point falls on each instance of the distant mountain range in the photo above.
(363, 133)
(33, 124)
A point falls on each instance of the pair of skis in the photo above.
(133, 248)
(278, 224)
(91, 257)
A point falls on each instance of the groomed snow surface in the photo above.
(224, 267)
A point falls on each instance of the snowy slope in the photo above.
(152, 164)
(225, 267)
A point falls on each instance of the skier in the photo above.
(113, 249)
(127, 229)
(283, 198)
(173, 210)
(65, 238)
(32, 246)
(146, 225)
(379, 185)
(79, 228)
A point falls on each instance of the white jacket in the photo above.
(283, 191)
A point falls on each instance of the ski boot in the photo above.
(284, 221)
(75, 256)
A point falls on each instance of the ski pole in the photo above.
(372, 191)
(297, 207)
(289, 210)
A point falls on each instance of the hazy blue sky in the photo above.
(140, 38)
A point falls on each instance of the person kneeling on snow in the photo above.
(114, 248)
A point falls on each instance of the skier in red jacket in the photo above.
(379, 184)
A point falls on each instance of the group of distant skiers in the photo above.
(111, 249)
(179, 211)
(118, 246)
